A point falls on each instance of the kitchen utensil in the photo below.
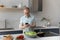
(40, 34)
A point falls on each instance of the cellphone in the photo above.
(26, 23)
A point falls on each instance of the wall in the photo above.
(50, 11)
(12, 17)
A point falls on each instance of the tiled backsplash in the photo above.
(2, 23)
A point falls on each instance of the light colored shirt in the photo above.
(28, 20)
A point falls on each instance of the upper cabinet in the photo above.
(34, 5)
(40, 5)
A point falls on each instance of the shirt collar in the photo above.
(27, 17)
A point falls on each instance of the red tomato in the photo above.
(20, 37)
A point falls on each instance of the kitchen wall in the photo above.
(50, 11)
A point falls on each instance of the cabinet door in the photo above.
(40, 5)
(33, 4)
(51, 30)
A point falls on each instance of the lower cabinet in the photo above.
(51, 30)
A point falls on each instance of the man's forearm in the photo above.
(23, 27)
(33, 25)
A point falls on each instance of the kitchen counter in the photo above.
(49, 27)
(53, 29)
(15, 33)
(39, 38)
(38, 27)
(45, 38)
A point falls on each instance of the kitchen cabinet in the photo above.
(35, 5)
(51, 29)
(40, 5)
(5, 32)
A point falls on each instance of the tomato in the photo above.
(20, 37)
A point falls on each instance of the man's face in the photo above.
(26, 12)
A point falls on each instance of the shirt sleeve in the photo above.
(21, 21)
(34, 21)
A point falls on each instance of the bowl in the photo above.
(31, 34)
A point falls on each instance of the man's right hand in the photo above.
(26, 25)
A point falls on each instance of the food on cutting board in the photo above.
(20, 37)
(8, 37)
(1, 6)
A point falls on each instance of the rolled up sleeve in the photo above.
(34, 21)
(21, 21)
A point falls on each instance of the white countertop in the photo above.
(39, 38)
(45, 38)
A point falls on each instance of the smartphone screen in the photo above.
(26, 23)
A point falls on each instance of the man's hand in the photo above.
(26, 25)
(33, 25)
(23, 26)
